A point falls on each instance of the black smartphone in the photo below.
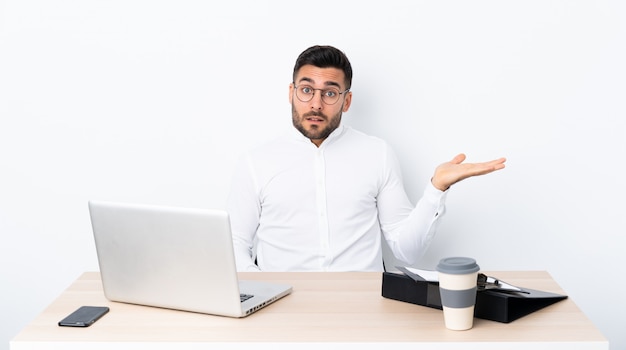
(84, 316)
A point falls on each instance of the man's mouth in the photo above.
(314, 118)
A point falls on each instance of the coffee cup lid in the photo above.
(457, 265)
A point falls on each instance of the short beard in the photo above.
(315, 133)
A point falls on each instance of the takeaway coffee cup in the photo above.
(458, 278)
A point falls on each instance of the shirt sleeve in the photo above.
(244, 210)
(407, 229)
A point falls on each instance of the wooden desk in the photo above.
(325, 309)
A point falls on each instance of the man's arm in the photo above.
(409, 237)
(407, 228)
(244, 210)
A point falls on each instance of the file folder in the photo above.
(491, 305)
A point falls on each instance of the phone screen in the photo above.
(84, 316)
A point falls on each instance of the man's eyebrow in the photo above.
(311, 81)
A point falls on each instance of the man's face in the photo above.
(316, 118)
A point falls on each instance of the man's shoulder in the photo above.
(356, 136)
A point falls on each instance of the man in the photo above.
(319, 198)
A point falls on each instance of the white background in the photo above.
(152, 101)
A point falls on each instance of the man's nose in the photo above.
(316, 101)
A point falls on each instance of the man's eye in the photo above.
(306, 90)
(330, 93)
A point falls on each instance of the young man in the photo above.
(319, 198)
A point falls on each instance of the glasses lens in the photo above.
(305, 93)
(330, 96)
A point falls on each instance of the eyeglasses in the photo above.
(330, 96)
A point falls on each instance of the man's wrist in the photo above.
(438, 186)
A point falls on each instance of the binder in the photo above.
(491, 305)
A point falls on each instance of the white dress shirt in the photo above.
(306, 208)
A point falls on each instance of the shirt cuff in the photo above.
(435, 196)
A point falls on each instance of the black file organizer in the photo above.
(491, 305)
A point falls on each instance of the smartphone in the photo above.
(84, 316)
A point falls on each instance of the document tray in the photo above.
(491, 305)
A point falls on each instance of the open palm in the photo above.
(449, 173)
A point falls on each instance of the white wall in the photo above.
(151, 101)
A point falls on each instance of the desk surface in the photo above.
(329, 308)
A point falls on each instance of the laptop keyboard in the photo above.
(245, 297)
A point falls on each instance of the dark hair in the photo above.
(325, 57)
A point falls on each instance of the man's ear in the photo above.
(290, 91)
(347, 102)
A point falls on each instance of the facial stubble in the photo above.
(315, 133)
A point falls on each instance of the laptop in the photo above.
(175, 258)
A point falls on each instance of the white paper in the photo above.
(428, 275)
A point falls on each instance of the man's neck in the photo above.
(317, 142)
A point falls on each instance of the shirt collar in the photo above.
(336, 134)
